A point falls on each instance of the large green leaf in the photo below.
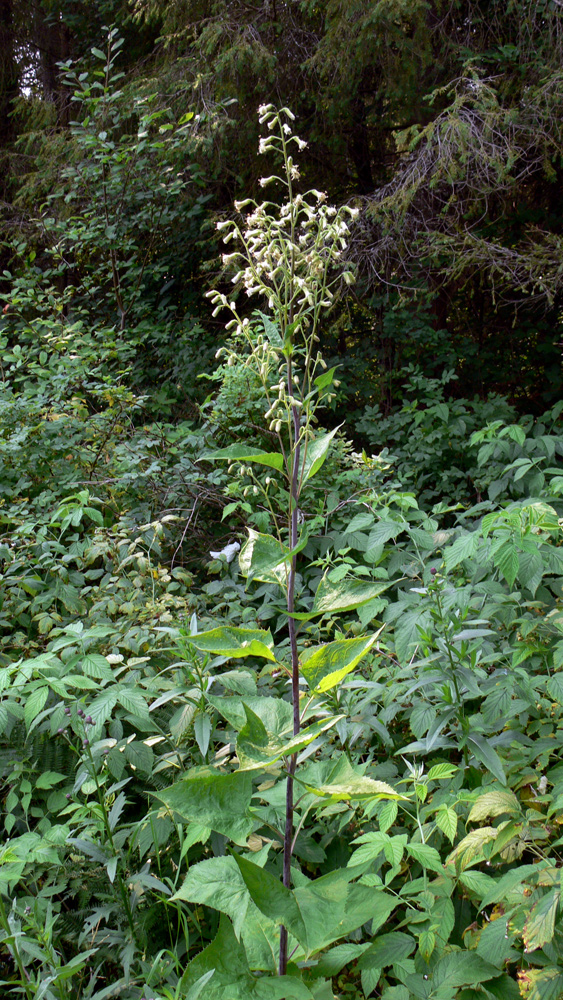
(217, 882)
(496, 941)
(494, 803)
(332, 908)
(508, 562)
(385, 530)
(34, 704)
(315, 455)
(543, 984)
(342, 781)
(261, 939)
(426, 856)
(281, 988)
(275, 713)
(242, 453)
(223, 970)
(464, 547)
(334, 960)
(264, 558)
(235, 643)
(407, 631)
(272, 898)
(462, 968)
(531, 569)
(386, 950)
(505, 988)
(326, 666)
(94, 665)
(218, 801)
(257, 747)
(226, 958)
(344, 595)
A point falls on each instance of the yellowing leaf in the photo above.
(540, 925)
(494, 803)
(470, 849)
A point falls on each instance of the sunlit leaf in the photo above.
(235, 643)
(315, 454)
(324, 667)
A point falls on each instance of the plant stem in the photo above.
(105, 819)
(460, 709)
(293, 530)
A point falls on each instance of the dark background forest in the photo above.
(440, 120)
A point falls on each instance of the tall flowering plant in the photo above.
(293, 257)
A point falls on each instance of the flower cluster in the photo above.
(287, 253)
(292, 256)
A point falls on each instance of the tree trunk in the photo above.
(9, 74)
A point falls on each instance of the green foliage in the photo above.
(105, 256)
(429, 439)
(452, 450)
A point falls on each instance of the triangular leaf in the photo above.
(217, 882)
(218, 801)
(226, 957)
(332, 908)
(257, 748)
(315, 455)
(342, 782)
(235, 643)
(272, 898)
(264, 558)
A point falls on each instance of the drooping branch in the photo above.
(443, 211)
